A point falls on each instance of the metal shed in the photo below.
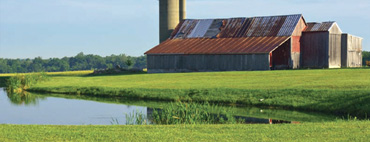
(321, 45)
(351, 51)
(235, 44)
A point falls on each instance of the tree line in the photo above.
(78, 62)
(83, 62)
(365, 57)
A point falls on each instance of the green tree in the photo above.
(365, 57)
(78, 62)
(128, 62)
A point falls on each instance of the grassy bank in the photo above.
(333, 131)
(5, 76)
(343, 91)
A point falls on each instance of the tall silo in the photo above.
(182, 10)
(170, 14)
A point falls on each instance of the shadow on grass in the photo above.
(114, 74)
(345, 104)
(94, 75)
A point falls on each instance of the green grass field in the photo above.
(338, 79)
(345, 91)
(333, 131)
(339, 91)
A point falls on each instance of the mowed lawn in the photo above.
(334, 79)
(331, 131)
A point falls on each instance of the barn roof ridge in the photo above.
(243, 17)
(321, 26)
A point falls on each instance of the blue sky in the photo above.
(58, 28)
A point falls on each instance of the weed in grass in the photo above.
(114, 121)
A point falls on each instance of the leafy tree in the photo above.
(365, 57)
(128, 62)
(78, 62)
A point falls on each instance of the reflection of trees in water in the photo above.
(23, 98)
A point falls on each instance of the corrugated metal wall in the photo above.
(198, 63)
(315, 50)
(351, 51)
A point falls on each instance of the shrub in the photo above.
(19, 83)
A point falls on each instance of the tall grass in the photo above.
(192, 113)
(19, 83)
(184, 113)
(136, 118)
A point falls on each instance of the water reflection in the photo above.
(50, 110)
(254, 112)
(240, 119)
(60, 109)
(24, 98)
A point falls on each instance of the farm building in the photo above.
(325, 46)
(321, 45)
(258, 43)
(239, 44)
(351, 51)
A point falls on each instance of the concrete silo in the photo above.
(170, 14)
(182, 10)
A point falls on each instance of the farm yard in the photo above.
(159, 71)
(342, 93)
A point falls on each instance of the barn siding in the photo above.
(335, 50)
(300, 27)
(351, 51)
(281, 57)
(200, 63)
(296, 51)
(314, 50)
(296, 44)
(335, 29)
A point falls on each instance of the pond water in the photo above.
(60, 111)
(57, 109)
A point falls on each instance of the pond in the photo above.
(39, 109)
(57, 109)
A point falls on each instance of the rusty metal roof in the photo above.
(246, 45)
(319, 27)
(237, 27)
(229, 36)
